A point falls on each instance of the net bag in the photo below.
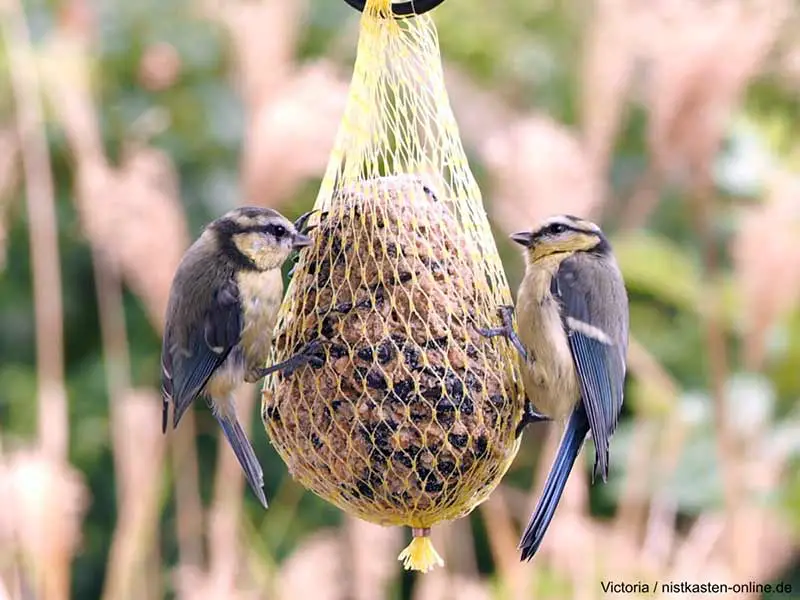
(410, 417)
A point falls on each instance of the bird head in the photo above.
(258, 238)
(559, 237)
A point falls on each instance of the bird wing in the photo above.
(186, 370)
(594, 313)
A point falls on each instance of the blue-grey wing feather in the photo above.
(592, 292)
(188, 367)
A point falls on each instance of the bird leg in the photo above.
(310, 354)
(506, 330)
(530, 415)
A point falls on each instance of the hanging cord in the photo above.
(402, 9)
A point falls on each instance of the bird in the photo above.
(573, 320)
(220, 316)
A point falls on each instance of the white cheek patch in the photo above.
(588, 330)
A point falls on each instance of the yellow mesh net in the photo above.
(411, 418)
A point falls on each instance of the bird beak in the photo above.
(301, 240)
(523, 238)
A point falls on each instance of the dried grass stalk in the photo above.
(290, 136)
(226, 510)
(322, 555)
(45, 500)
(538, 168)
(139, 451)
(703, 56)
(374, 552)
(609, 56)
(766, 250)
(440, 585)
(133, 215)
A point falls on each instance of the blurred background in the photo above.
(126, 126)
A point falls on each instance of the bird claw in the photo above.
(301, 223)
(530, 415)
(506, 330)
(308, 355)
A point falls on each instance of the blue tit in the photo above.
(222, 310)
(572, 318)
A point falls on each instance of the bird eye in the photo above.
(278, 231)
(557, 228)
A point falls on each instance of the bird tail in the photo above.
(244, 453)
(577, 428)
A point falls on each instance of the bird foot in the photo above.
(506, 330)
(530, 415)
(310, 354)
(301, 223)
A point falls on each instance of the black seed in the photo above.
(311, 267)
(399, 339)
(413, 451)
(328, 330)
(411, 356)
(391, 250)
(336, 404)
(403, 388)
(406, 497)
(445, 467)
(434, 371)
(481, 445)
(467, 406)
(337, 350)
(445, 412)
(336, 246)
(273, 414)
(420, 411)
(385, 352)
(454, 386)
(433, 486)
(472, 351)
(497, 399)
(344, 307)
(316, 441)
(365, 354)
(473, 382)
(364, 488)
(383, 442)
(376, 479)
(440, 343)
(324, 273)
(376, 380)
(431, 263)
(423, 472)
(364, 432)
(433, 393)
(405, 277)
(459, 441)
(393, 425)
(365, 303)
(402, 458)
